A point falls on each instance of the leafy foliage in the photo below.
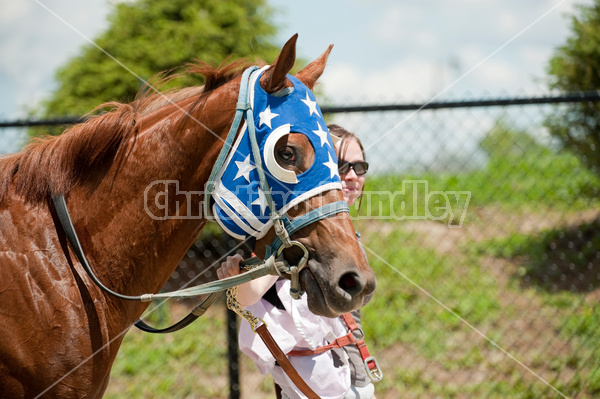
(576, 67)
(146, 37)
(502, 141)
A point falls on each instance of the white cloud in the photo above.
(391, 25)
(508, 22)
(34, 43)
(14, 10)
(426, 39)
(400, 81)
(496, 74)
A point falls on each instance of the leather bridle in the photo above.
(274, 263)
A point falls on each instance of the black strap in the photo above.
(272, 297)
(186, 321)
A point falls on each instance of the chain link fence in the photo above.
(484, 235)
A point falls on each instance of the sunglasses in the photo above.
(360, 168)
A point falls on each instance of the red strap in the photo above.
(347, 339)
(350, 321)
(338, 343)
(361, 344)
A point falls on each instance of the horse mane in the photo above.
(52, 165)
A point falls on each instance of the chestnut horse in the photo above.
(60, 332)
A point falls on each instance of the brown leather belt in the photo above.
(284, 363)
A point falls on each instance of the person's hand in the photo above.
(248, 293)
(231, 267)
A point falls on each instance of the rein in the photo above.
(270, 266)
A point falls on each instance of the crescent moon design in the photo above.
(286, 176)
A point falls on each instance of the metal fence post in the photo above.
(232, 355)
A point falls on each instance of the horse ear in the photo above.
(274, 78)
(310, 73)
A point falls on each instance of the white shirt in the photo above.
(298, 328)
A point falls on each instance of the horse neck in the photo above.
(132, 246)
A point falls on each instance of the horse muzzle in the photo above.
(331, 293)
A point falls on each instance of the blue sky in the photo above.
(384, 50)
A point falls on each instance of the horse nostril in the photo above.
(350, 283)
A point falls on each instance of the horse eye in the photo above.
(287, 155)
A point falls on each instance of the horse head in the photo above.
(302, 188)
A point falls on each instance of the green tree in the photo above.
(576, 67)
(151, 36)
(506, 142)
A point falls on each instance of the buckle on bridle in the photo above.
(373, 372)
(294, 271)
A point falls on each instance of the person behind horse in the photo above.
(337, 373)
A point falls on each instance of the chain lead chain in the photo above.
(234, 305)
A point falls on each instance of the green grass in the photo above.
(409, 276)
(171, 365)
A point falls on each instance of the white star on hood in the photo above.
(261, 200)
(322, 135)
(312, 105)
(244, 169)
(266, 116)
(332, 165)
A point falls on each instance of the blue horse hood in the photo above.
(240, 206)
